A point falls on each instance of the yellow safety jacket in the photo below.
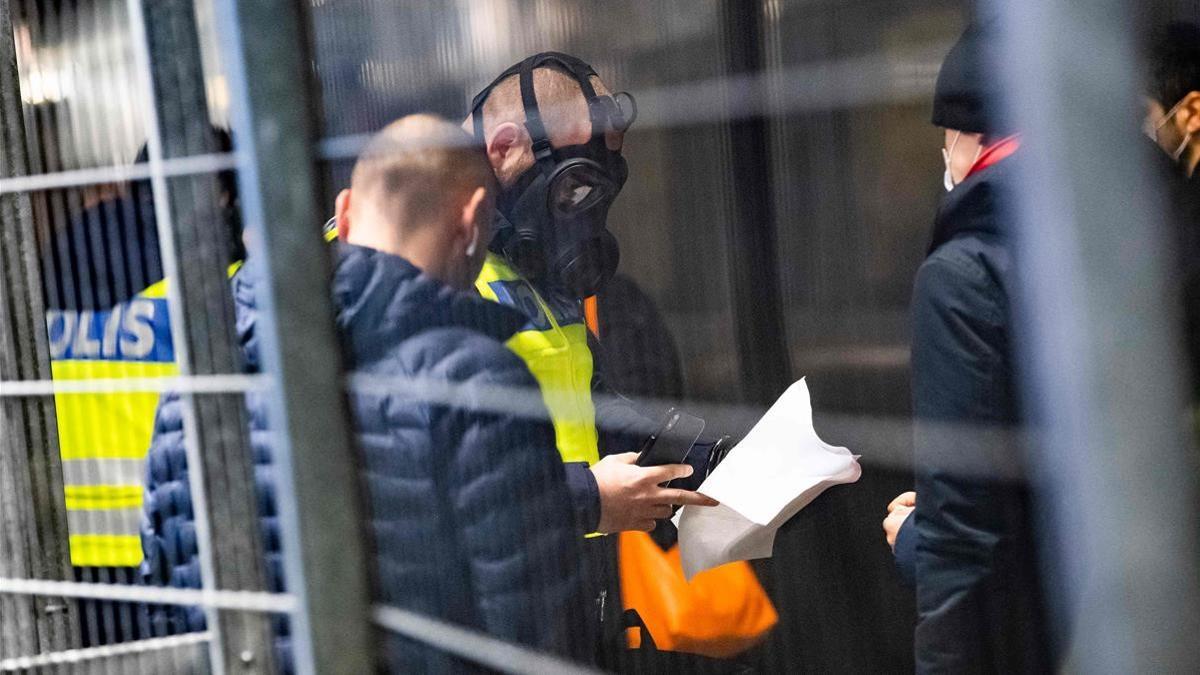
(554, 347)
(103, 437)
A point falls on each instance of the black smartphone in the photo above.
(671, 443)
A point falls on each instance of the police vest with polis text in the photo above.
(104, 436)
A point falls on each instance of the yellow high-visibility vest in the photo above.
(554, 347)
(103, 437)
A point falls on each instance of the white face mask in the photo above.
(948, 155)
(948, 177)
(948, 180)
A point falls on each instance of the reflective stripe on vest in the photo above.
(554, 347)
(103, 437)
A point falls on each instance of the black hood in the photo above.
(969, 94)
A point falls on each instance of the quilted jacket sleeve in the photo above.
(168, 527)
(509, 496)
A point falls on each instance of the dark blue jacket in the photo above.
(470, 513)
(169, 541)
(978, 592)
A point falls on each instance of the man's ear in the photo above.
(1189, 113)
(505, 145)
(471, 210)
(475, 226)
(341, 212)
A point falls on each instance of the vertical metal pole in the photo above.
(33, 519)
(1113, 465)
(750, 239)
(270, 74)
(191, 224)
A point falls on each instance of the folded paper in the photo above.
(780, 467)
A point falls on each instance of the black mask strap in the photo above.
(577, 68)
(477, 118)
(533, 117)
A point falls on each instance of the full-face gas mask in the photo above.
(552, 222)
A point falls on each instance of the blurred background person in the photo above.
(1172, 81)
(109, 250)
(1173, 93)
(1172, 121)
(107, 317)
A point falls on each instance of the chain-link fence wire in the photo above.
(84, 216)
(129, 234)
(674, 221)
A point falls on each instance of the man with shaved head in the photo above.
(419, 191)
(468, 505)
(470, 510)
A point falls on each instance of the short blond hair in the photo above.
(419, 169)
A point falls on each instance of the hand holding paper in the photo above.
(778, 469)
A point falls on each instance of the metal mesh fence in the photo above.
(232, 444)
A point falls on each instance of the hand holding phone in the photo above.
(671, 443)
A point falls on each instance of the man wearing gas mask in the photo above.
(553, 133)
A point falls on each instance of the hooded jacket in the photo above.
(469, 509)
(978, 590)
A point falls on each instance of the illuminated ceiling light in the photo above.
(40, 87)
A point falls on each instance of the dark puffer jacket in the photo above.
(979, 596)
(169, 541)
(469, 507)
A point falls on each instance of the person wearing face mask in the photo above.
(107, 318)
(468, 506)
(1172, 122)
(1173, 94)
(553, 134)
(965, 537)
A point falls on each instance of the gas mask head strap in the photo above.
(578, 69)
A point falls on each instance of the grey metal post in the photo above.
(33, 519)
(271, 86)
(195, 229)
(1113, 464)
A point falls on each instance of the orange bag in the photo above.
(720, 613)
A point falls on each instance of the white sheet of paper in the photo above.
(780, 467)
